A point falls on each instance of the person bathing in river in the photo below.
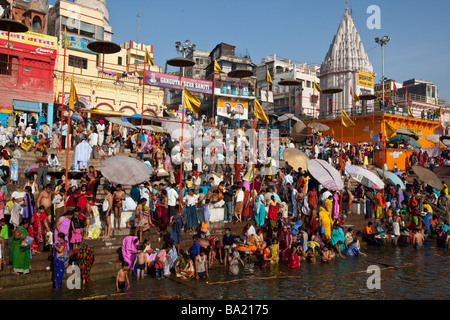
(233, 261)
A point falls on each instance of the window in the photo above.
(78, 62)
(99, 33)
(5, 67)
(119, 61)
(87, 30)
(36, 22)
(308, 84)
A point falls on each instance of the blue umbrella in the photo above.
(392, 178)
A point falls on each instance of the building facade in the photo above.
(111, 82)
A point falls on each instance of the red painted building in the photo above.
(26, 81)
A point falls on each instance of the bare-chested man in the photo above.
(45, 199)
(418, 238)
(42, 170)
(118, 198)
(159, 156)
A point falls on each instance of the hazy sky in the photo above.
(297, 30)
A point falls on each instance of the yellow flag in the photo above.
(439, 112)
(217, 67)
(259, 113)
(389, 131)
(410, 112)
(66, 38)
(73, 98)
(190, 101)
(355, 97)
(268, 77)
(346, 121)
(316, 87)
(148, 59)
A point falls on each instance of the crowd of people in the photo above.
(288, 216)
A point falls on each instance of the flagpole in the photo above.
(254, 151)
(353, 113)
(267, 124)
(182, 139)
(62, 104)
(342, 162)
(143, 97)
(440, 134)
(67, 157)
(383, 142)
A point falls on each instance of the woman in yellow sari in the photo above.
(27, 144)
(325, 217)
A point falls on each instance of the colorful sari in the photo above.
(285, 250)
(259, 210)
(86, 259)
(247, 204)
(338, 235)
(326, 220)
(128, 249)
(20, 256)
(64, 227)
(35, 229)
(59, 263)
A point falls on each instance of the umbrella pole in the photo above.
(440, 134)
(254, 150)
(314, 109)
(213, 98)
(342, 163)
(67, 160)
(181, 144)
(143, 97)
(62, 103)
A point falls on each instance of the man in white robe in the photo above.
(82, 155)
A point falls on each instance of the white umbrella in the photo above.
(175, 130)
(120, 122)
(288, 116)
(365, 177)
(327, 176)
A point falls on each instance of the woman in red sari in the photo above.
(285, 237)
(84, 198)
(247, 206)
(163, 212)
(35, 229)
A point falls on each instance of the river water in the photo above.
(420, 274)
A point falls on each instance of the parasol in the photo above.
(299, 132)
(392, 178)
(288, 116)
(433, 138)
(365, 177)
(203, 142)
(120, 122)
(319, 126)
(125, 170)
(296, 158)
(406, 132)
(402, 139)
(327, 176)
(175, 130)
(428, 176)
(446, 140)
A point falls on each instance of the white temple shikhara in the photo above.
(345, 58)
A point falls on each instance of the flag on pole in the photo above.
(148, 59)
(409, 107)
(259, 113)
(395, 88)
(389, 131)
(439, 112)
(268, 77)
(73, 98)
(190, 101)
(217, 67)
(355, 96)
(346, 121)
(66, 38)
(317, 88)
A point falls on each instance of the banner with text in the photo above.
(173, 82)
(365, 79)
(30, 42)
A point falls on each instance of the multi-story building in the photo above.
(112, 84)
(202, 60)
(26, 69)
(301, 103)
(232, 95)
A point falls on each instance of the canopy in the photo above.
(288, 116)
(327, 176)
(299, 132)
(120, 122)
(406, 132)
(125, 170)
(446, 140)
(105, 112)
(392, 178)
(433, 138)
(296, 158)
(402, 139)
(428, 176)
(365, 177)
(318, 126)
(175, 130)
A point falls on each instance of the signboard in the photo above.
(365, 79)
(78, 43)
(232, 108)
(173, 82)
(30, 42)
(387, 91)
(84, 102)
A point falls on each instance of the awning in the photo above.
(28, 106)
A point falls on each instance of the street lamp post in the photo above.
(382, 42)
(185, 49)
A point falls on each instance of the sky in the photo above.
(297, 30)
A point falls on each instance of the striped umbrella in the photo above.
(125, 170)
